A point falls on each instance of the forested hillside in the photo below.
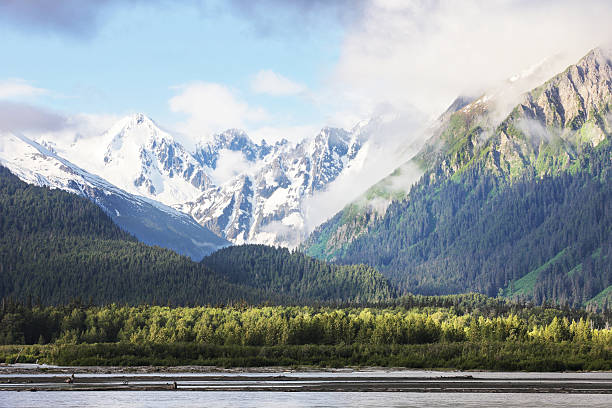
(450, 242)
(276, 271)
(521, 208)
(56, 247)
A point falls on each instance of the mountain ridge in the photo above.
(471, 166)
(58, 247)
(151, 222)
(243, 191)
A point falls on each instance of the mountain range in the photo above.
(518, 206)
(508, 195)
(241, 191)
(57, 247)
(150, 221)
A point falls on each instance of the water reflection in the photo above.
(169, 399)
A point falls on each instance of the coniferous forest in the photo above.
(76, 290)
(477, 232)
(56, 247)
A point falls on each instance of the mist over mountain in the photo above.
(243, 191)
(517, 206)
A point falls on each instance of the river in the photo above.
(95, 387)
(170, 399)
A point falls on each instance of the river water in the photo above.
(52, 390)
(171, 399)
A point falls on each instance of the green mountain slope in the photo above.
(276, 271)
(528, 198)
(56, 247)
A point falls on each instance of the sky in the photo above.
(274, 68)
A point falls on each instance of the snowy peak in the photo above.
(327, 155)
(147, 160)
(151, 222)
(132, 134)
(235, 140)
(242, 190)
(264, 204)
(334, 140)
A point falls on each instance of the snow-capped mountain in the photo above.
(241, 190)
(235, 140)
(138, 156)
(264, 204)
(163, 168)
(150, 221)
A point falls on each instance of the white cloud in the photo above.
(392, 139)
(407, 56)
(422, 54)
(535, 130)
(212, 108)
(271, 83)
(17, 88)
(21, 117)
(229, 165)
(273, 134)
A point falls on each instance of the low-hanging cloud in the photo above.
(211, 108)
(390, 140)
(536, 131)
(423, 53)
(229, 165)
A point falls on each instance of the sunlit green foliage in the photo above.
(279, 325)
(428, 336)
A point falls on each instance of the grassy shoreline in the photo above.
(498, 356)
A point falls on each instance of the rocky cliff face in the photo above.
(541, 135)
(242, 190)
(573, 97)
(264, 204)
(545, 132)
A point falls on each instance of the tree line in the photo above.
(288, 325)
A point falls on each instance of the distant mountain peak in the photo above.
(133, 121)
(150, 221)
(571, 98)
(236, 140)
(598, 54)
(144, 159)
